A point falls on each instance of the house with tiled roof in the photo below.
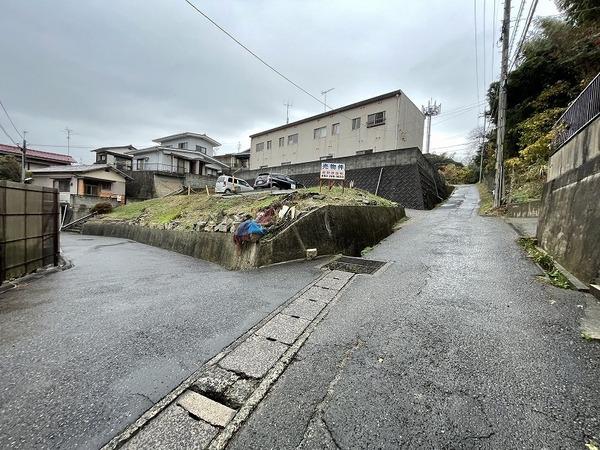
(37, 159)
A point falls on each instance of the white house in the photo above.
(387, 122)
(179, 153)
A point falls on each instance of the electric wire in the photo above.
(10, 120)
(237, 41)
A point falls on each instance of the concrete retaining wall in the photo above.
(569, 223)
(330, 229)
(407, 177)
(527, 209)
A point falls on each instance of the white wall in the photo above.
(403, 128)
(191, 144)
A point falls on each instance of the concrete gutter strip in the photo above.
(119, 440)
(576, 282)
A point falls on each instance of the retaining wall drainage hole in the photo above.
(356, 265)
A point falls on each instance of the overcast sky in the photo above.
(128, 71)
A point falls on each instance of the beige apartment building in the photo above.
(387, 122)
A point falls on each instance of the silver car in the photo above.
(227, 184)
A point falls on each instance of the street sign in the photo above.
(333, 171)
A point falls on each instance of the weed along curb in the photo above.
(331, 229)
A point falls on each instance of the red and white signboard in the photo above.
(333, 171)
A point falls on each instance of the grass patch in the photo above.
(546, 262)
(188, 210)
(486, 200)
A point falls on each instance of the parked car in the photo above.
(225, 185)
(276, 180)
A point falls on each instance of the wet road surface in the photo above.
(456, 344)
(86, 351)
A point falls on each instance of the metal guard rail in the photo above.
(584, 109)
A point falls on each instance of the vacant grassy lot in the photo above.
(191, 209)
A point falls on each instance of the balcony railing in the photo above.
(584, 109)
(158, 167)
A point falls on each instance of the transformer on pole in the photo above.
(430, 110)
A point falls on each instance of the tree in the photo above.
(10, 168)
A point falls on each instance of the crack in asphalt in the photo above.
(318, 414)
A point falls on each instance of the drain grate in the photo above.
(356, 265)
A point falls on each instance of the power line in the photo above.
(10, 120)
(518, 19)
(524, 34)
(476, 48)
(462, 144)
(233, 38)
(8, 135)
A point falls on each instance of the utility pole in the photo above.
(68, 131)
(499, 189)
(482, 150)
(287, 105)
(23, 152)
(430, 110)
(324, 94)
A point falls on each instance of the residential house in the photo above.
(236, 161)
(387, 122)
(84, 186)
(35, 159)
(115, 156)
(183, 153)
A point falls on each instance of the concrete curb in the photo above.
(64, 264)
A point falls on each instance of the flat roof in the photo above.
(333, 111)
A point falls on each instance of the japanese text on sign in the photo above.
(333, 171)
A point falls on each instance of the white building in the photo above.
(179, 153)
(387, 122)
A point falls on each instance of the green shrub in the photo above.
(102, 208)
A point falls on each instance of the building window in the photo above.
(106, 186)
(320, 133)
(364, 152)
(335, 129)
(286, 163)
(260, 146)
(376, 119)
(281, 141)
(293, 139)
(101, 157)
(91, 189)
(268, 145)
(182, 145)
(63, 185)
(139, 164)
(356, 123)
(201, 149)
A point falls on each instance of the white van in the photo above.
(225, 185)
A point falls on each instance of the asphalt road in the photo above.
(456, 344)
(85, 352)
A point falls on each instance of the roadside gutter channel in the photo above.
(212, 404)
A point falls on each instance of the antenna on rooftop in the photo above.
(287, 105)
(69, 133)
(324, 94)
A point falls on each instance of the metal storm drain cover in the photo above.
(356, 265)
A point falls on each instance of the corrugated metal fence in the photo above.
(584, 109)
(29, 231)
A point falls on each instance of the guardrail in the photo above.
(584, 109)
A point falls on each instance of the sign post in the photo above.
(332, 173)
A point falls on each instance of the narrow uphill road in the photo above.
(456, 344)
